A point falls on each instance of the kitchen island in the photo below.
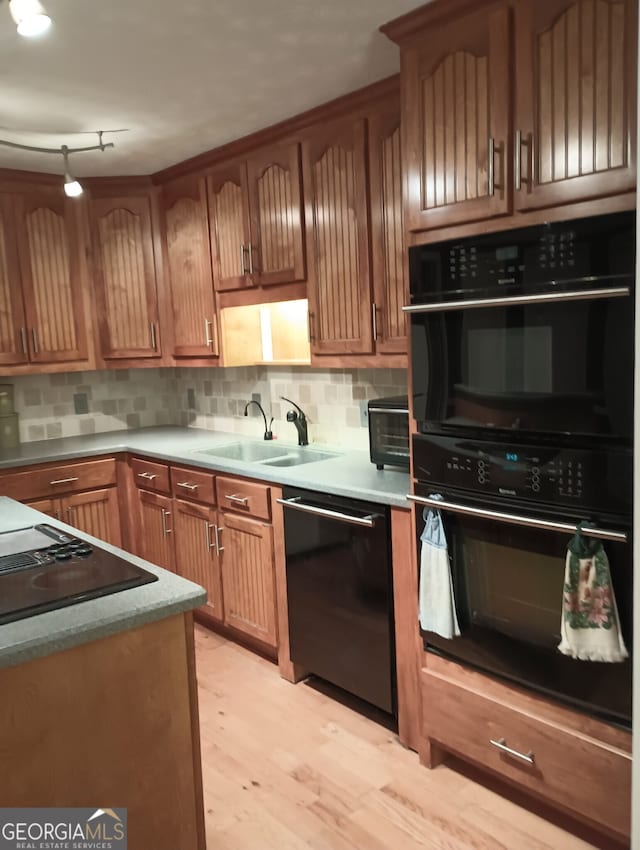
(99, 704)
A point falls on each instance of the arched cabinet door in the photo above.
(125, 277)
(575, 122)
(13, 328)
(229, 226)
(275, 200)
(455, 119)
(186, 227)
(334, 169)
(49, 249)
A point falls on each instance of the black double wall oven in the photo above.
(522, 374)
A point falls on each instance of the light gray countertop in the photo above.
(349, 474)
(45, 634)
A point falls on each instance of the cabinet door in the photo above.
(13, 339)
(189, 263)
(229, 226)
(248, 576)
(455, 119)
(156, 530)
(95, 512)
(49, 250)
(275, 201)
(338, 239)
(125, 277)
(575, 100)
(50, 507)
(195, 528)
(389, 259)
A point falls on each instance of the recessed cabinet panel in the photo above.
(48, 245)
(389, 266)
(339, 285)
(126, 281)
(197, 558)
(187, 240)
(156, 542)
(575, 100)
(95, 513)
(13, 332)
(229, 226)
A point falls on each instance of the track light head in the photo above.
(30, 17)
(72, 187)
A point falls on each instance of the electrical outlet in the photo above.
(81, 403)
(254, 410)
(364, 413)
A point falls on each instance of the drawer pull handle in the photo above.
(148, 476)
(165, 529)
(238, 500)
(217, 530)
(501, 745)
(63, 481)
(208, 526)
(186, 485)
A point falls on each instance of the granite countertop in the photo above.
(45, 634)
(349, 474)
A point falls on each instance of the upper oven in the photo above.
(528, 331)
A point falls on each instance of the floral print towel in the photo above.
(590, 627)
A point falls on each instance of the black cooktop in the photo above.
(42, 568)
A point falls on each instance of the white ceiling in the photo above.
(183, 76)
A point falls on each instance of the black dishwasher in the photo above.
(340, 593)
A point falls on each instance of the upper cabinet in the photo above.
(186, 231)
(575, 100)
(515, 105)
(125, 277)
(455, 114)
(389, 260)
(334, 169)
(42, 317)
(256, 222)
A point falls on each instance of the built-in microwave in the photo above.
(528, 331)
(389, 431)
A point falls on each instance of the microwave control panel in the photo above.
(562, 476)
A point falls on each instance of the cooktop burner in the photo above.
(42, 568)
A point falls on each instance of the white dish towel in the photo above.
(437, 609)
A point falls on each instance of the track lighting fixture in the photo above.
(72, 187)
(30, 17)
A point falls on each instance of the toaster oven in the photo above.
(389, 431)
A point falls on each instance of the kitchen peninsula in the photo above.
(99, 704)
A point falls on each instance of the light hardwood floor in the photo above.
(287, 768)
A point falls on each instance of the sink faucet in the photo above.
(268, 434)
(299, 420)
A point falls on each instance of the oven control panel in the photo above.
(594, 479)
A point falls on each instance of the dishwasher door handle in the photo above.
(297, 505)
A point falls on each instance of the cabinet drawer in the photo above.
(245, 497)
(56, 480)
(561, 765)
(150, 476)
(193, 484)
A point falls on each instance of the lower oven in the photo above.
(507, 559)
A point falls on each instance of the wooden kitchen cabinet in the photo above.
(13, 325)
(46, 280)
(256, 220)
(186, 230)
(95, 512)
(155, 541)
(335, 190)
(389, 260)
(247, 568)
(575, 100)
(197, 557)
(125, 277)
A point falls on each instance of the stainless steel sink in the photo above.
(267, 453)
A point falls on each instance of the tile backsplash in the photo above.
(68, 404)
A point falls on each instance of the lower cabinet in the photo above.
(247, 561)
(96, 512)
(156, 542)
(197, 551)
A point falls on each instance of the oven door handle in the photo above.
(516, 519)
(520, 300)
(368, 521)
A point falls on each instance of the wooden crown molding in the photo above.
(433, 14)
(347, 104)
